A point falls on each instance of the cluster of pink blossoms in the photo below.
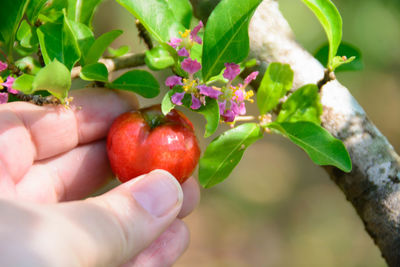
(231, 99)
(7, 84)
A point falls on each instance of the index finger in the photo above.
(29, 132)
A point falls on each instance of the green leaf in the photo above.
(26, 36)
(82, 10)
(317, 142)
(11, 13)
(28, 65)
(100, 45)
(303, 105)
(225, 152)
(33, 9)
(182, 10)
(95, 72)
(24, 83)
(158, 58)
(156, 17)
(345, 49)
(331, 21)
(57, 41)
(339, 61)
(226, 38)
(55, 78)
(277, 81)
(138, 81)
(211, 113)
(122, 50)
(84, 36)
(166, 103)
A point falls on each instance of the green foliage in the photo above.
(166, 104)
(82, 10)
(182, 10)
(158, 58)
(225, 152)
(156, 17)
(277, 81)
(84, 36)
(317, 142)
(137, 81)
(33, 9)
(24, 83)
(11, 13)
(345, 49)
(55, 78)
(57, 41)
(26, 35)
(100, 45)
(303, 105)
(226, 38)
(331, 21)
(211, 113)
(122, 50)
(28, 64)
(95, 72)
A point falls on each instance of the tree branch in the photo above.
(373, 187)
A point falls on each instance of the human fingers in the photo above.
(166, 249)
(191, 197)
(107, 230)
(29, 132)
(69, 176)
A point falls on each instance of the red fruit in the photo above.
(141, 141)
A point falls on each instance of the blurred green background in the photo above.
(277, 208)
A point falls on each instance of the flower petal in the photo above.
(196, 104)
(222, 106)
(252, 76)
(175, 42)
(177, 98)
(232, 70)
(194, 33)
(190, 66)
(209, 91)
(3, 66)
(229, 116)
(171, 81)
(239, 95)
(183, 52)
(3, 98)
(9, 83)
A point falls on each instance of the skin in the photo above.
(52, 158)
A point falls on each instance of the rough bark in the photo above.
(373, 186)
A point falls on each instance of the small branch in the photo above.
(114, 64)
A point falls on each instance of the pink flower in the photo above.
(171, 81)
(228, 116)
(196, 104)
(183, 52)
(252, 76)
(239, 95)
(238, 109)
(3, 66)
(177, 98)
(9, 83)
(194, 33)
(222, 106)
(232, 70)
(3, 98)
(208, 91)
(190, 66)
(175, 42)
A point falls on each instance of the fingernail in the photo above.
(157, 192)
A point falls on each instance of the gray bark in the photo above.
(373, 186)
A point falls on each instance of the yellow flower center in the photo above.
(1, 81)
(185, 34)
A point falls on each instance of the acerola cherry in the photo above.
(141, 141)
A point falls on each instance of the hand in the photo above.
(52, 154)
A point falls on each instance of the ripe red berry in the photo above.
(141, 141)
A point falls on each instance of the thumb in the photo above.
(112, 228)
